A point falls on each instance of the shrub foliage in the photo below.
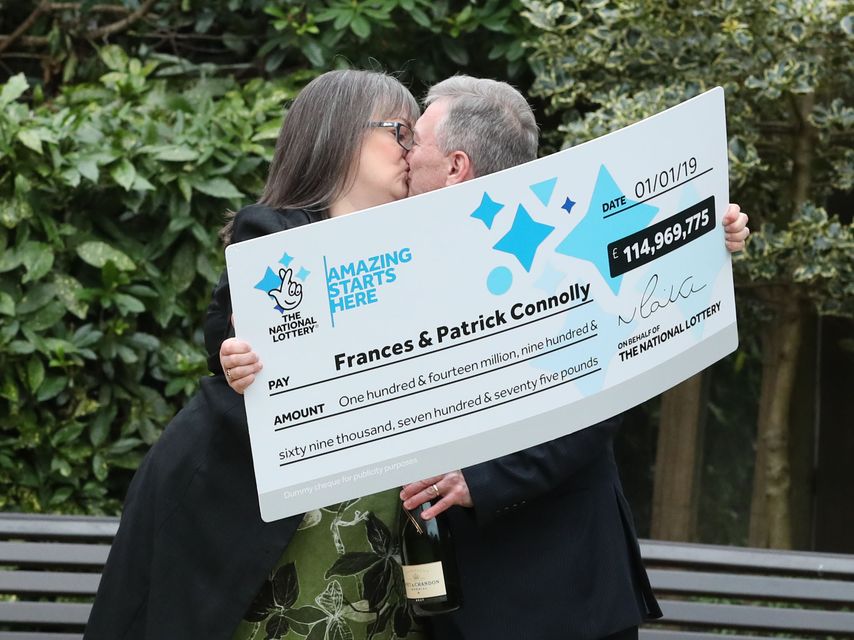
(111, 195)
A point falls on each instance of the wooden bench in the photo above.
(706, 590)
(50, 567)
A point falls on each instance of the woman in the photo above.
(192, 557)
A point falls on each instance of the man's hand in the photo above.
(451, 486)
(289, 294)
(240, 363)
(735, 228)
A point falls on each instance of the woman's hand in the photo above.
(240, 364)
(735, 228)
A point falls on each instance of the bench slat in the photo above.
(743, 617)
(657, 553)
(49, 583)
(40, 527)
(53, 554)
(752, 587)
(36, 635)
(36, 613)
(666, 634)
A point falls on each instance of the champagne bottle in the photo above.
(429, 563)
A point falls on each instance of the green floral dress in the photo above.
(338, 579)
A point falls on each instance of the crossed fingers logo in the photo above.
(288, 294)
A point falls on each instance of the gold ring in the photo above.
(435, 489)
(228, 373)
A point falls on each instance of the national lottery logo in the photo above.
(283, 285)
(288, 294)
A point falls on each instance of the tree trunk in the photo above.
(770, 524)
(803, 419)
(678, 461)
(802, 150)
(770, 517)
(758, 530)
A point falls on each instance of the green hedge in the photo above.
(115, 174)
(111, 196)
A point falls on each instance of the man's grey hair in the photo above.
(488, 120)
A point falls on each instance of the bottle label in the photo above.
(424, 580)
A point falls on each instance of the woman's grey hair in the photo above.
(489, 120)
(318, 148)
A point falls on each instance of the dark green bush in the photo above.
(116, 168)
(111, 196)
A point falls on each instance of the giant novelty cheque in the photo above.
(450, 328)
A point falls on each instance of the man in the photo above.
(545, 542)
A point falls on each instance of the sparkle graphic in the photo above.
(524, 238)
(487, 210)
(269, 282)
(543, 190)
(286, 259)
(585, 240)
(303, 273)
(568, 205)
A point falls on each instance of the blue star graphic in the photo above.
(524, 238)
(286, 259)
(269, 282)
(487, 210)
(303, 273)
(589, 239)
(568, 205)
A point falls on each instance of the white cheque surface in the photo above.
(448, 329)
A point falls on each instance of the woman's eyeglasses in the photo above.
(402, 133)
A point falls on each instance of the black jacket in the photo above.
(549, 551)
(192, 551)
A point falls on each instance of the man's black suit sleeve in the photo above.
(501, 486)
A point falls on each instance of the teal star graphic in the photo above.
(303, 273)
(487, 210)
(269, 282)
(524, 238)
(590, 237)
(286, 259)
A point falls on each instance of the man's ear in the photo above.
(460, 168)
